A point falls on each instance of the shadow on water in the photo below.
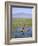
(22, 34)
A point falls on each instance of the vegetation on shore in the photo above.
(20, 22)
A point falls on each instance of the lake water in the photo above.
(19, 34)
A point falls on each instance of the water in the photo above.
(19, 34)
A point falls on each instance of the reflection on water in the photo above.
(22, 34)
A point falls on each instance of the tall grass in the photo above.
(20, 22)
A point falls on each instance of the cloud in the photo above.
(22, 15)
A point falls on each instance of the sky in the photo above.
(21, 12)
